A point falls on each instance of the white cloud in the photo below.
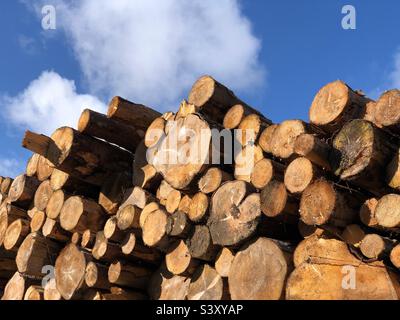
(395, 75)
(49, 102)
(151, 51)
(10, 167)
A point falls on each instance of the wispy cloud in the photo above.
(152, 51)
(395, 75)
(27, 44)
(50, 101)
(10, 167)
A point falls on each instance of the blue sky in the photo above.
(274, 54)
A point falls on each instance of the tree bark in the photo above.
(35, 252)
(364, 152)
(87, 158)
(136, 115)
(111, 130)
(201, 245)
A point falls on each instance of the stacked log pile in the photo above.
(133, 205)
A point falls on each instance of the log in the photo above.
(128, 217)
(15, 234)
(98, 125)
(235, 213)
(136, 115)
(387, 111)
(16, 286)
(43, 195)
(387, 212)
(104, 250)
(155, 132)
(44, 169)
(163, 191)
(88, 239)
(374, 246)
(353, 234)
(393, 172)
(55, 203)
(136, 196)
(251, 127)
(133, 248)
(61, 180)
(212, 180)
(70, 270)
(314, 149)
(264, 171)
(213, 99)
(315, 257)
(198, 209)
(144, 174)
(335, 104)
(184, 205)
(299, 174)
(112, 232)
(7, 265)
(185, 108)
(165, 286)
(52, 230)
(322, 203)
(395, 256)
(35, 252)
(38, 143)
(31, 166)
(178, 259)
(275, 201)
(306, 283)
(176, 159)
(79, 214)
(76, 238)
(264, 261)
(178, 225)
(129, 276)
(367, 213)
(200, 244)
(8, 214)
(112, 191)
(173, 200)
(206, 284)
(96, 276)
(50, 291)
(245, 162)
(284, 138)
(266, 138)
(87, 158)
(236, 115)
(5, 185)
(22, 191)
(155, 230)
(364, 152)
(149, 208)
(34, 293)
(223, 262)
